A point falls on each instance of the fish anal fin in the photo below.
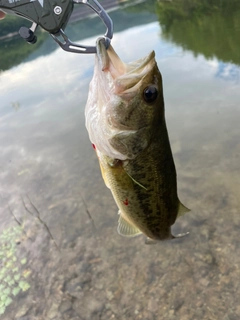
(126, 229)
(182, 210)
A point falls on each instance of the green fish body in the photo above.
(126, 123)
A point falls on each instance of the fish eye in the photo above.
(150, 94)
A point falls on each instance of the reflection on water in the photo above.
(46, 158)
(14, 50)
(207, 27)
(227, 71)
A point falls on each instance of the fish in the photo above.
(125, 120)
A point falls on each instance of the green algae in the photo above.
(12, 277)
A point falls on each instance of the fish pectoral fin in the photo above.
(126, 229)
(182, 210)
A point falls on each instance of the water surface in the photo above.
(61, 256)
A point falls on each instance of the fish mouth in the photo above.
(109, 60)
(126, 78)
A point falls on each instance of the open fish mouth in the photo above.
(117, 114)
(125, 78)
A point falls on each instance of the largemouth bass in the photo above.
(126, 125)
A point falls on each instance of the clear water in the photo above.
(61, 256)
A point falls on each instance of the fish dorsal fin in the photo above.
(126, 229)
(182, 210)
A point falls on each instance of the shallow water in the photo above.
(61, 255)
